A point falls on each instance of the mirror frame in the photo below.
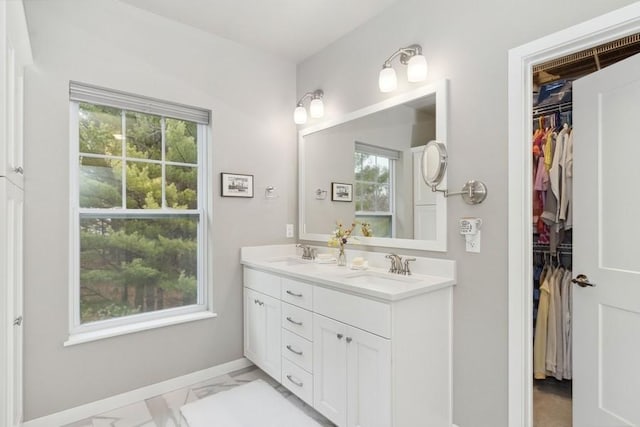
(440, 89)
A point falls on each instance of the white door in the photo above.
(606, 317)
(330, 369)
(368, 380)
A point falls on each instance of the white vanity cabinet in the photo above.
(360, 360)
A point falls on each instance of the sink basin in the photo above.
(373, 278)
(288, 261)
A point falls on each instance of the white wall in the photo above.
(466, 42)
(251, 95)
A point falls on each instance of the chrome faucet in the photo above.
(398, 266)
(406, 270)
(307, 251)
(396, 263)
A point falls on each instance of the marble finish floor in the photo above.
(164, 410)
(552, 403)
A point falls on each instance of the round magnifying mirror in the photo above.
(434, 163)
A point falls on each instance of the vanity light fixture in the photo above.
(316, 107)
(416, 63)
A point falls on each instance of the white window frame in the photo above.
(80, 333)
(392, 188)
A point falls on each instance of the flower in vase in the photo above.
(340, 236)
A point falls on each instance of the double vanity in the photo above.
(365, 348)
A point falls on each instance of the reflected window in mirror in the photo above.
(374, 188)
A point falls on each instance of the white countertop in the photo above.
(428, 274)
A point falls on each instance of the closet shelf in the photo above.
(560, 108)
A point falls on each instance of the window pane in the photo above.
(382, 198)
(131, 265)
(368, 197)
(381, 225)
(358, 191)
(100, 130)
(382, 166)
(182, 187)
(144, 185)
(181, 141)
(144, 136)
(100, 183)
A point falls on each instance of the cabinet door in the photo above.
(272, 355)
(11, 230)
(330, 369)
(16, 50)
(369, 379)
(422, 193)
(262, 331)
(252, 320)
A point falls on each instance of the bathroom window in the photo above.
(138, 202)
(374, 187)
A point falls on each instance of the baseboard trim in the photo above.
(110, 403)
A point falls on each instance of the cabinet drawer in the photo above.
(297, 350)
(299, 381)
(297, 293)
(363, 313)
(297, 320)
(262, 282)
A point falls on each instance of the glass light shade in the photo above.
(387, 81)
(417, 69)
(316, 108)
(300, 115)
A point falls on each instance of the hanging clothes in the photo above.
(540, 339)
(552, 336)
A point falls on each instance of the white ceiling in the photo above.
(291, 29)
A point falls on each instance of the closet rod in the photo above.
(543, 248)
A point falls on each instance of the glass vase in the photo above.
(342, 257)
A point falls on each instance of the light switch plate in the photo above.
(289, 230)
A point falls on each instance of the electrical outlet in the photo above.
(289, 230)
(473, 242)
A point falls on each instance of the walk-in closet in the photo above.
(552, 144)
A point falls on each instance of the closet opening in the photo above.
(552, 248)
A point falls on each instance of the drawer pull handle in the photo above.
(294, 322)
(349, 339)
(19, 170)
(339, 336)
(299, 353)
(296, 382)
(293, 294)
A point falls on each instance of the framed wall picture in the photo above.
(236, 185)
(341, 192)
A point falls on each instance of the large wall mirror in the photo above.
(365, 166)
